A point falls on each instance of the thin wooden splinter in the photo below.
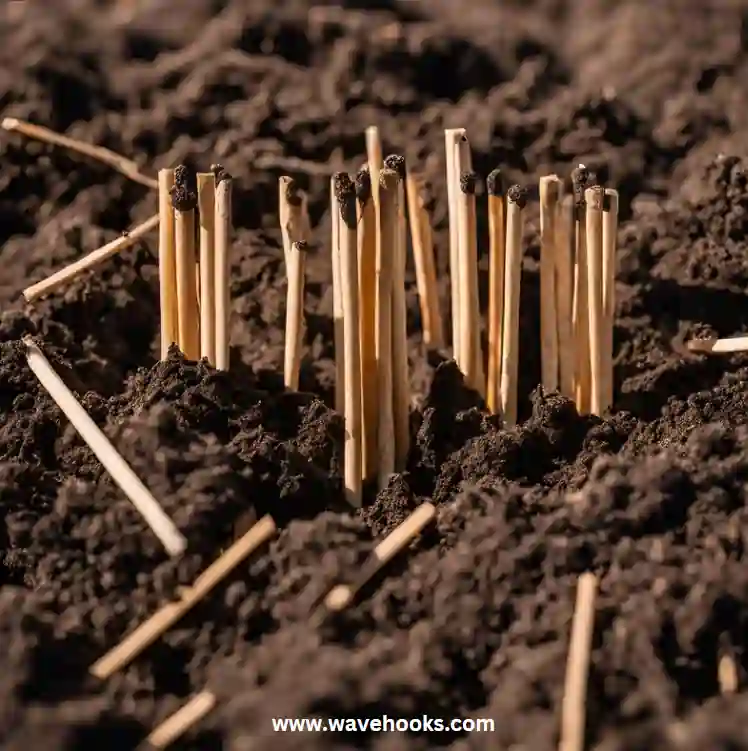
(596, 313)
(496, 274)
(715, 346)
(345, 193)
(516, 202)
(573, 706)
(206, 198)
(177, 724)
(148, 632)
(550, 188)
(341, 596)
(167, 263)
(294, 314)
(94, 258)
(119, 470)
(221, 277)
(184, 200)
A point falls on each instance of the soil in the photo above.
(474, 621)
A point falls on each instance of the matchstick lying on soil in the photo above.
(121, 472)
(177, 724)
(729, 345)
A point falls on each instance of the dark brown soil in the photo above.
(474, 622)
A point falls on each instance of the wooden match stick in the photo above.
(167, 263)
(565, 262)
(550, 188)
(470, 357)
(345, 193)
(375, 158)
(162, 620)
(387, 242)
(715, 346)
(294, 315)
(94, 258)
(367, 292)
(423, 256)
(341, 596)
(573, 707)
(610, 252)
(516, 199)
(337, 301)
(119, 470)
(727, 675)
(177, 724)
(496, 273)
(116, 161)
(206, 200)
(451, 136)
(184, 200)
(221, 277)
(596, 315)
(293, 216)
(400, 370)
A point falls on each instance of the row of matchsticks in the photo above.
(367, 223)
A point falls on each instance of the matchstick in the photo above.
(294, 314)
(206, 199)
(116, 161)
(423, 256)
(387, 242)
(470, 356)
(367, 295)
(292, 212)
(516, 199)
(177, 724)
(375, 158)
(565, 262)
(451, 136)
(727, 675)
(345, 192)
(550, 187)
(496, 273)
(715, 346)
(580, 179)
(610, 252)
(163, 619)
(400, 370)
(119, 470)
(89, 261)
(167, 263)
(184, 200)
(337, 301)
(222, 295)
(396, 541)
(596, 316)
(573, 706)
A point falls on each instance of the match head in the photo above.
(468, 183)
(388, 180)
(345, 192)
(495, 183)
(396, 163)
(517, 195)
(292, 192)
(184, 195)
(363, 185)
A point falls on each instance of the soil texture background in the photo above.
(474, 621)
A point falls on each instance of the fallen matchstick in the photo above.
(729, 345)
(177, 724)
(296, 262)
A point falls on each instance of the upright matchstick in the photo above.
(184, 200)
(451, 135)
(291, 211)
(496, 273)
(167, 263)
(516, 202)
(594, 232)
(468, 245)
(337, 300)
(550, 188)
(206, 200)
(294, 314)
(565, 262)
(610, 247)
(222, 294)
(345, 192)
(374, 157)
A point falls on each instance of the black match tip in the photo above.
(517, 194)
(580, 178)
(219, 173)
(184, 195)
(495, 183)
(302, 246)
(396, 163)
(293, 195)
(363, 185)
(345, 192)
(468, 183)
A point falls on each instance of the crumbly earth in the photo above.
(474, 621)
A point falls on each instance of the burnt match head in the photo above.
(345, 192)
(363, 185)
(293, 194)
(396, 163)
(517, 195)
(219, 173)
(184, 195)
(495, 183)
(468, 183)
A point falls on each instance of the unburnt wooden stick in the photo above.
(177, 724)
(423, 256)
(167, 263)
(550, 187)
(119, 470)
(516, 202)
(94, 258)
(184, 199)
(716, 346)
(450, 137)
(374, 157)
(496, 274)
(163, 619)
(294, 314)
(367, 295)
(345, 192)
(206, 199)
(387, 241)
(583, 378)
(337, 301)
(594, 232)
(565, 262)
(222, 296)
(610, 252)
(294, 219)
(400, 370)
(573, 706)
